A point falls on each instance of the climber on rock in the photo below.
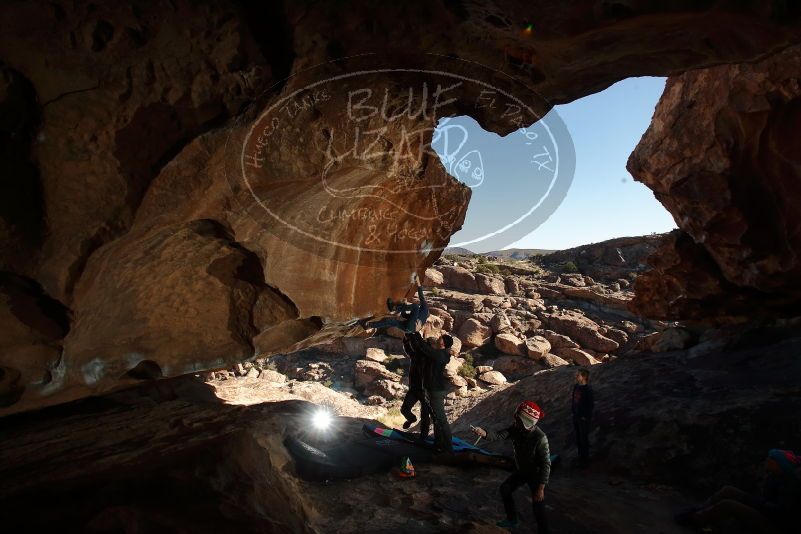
(435, 357)
(532, 461)
(416, 392)
(412, 316)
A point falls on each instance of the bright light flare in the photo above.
(321, 420)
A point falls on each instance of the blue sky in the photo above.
(603, 200)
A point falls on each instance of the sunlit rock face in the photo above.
(143, 201)
(723, 155)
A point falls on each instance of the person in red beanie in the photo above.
(532, 459)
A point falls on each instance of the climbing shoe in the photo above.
(507, 523)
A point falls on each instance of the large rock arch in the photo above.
(138, 236)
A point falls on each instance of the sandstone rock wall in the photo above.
(722, 155)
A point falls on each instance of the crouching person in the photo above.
(532, 459)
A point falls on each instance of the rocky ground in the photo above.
(679, 411)
(669, 428)
(510, 319)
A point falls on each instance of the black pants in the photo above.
(442, 431)
(515, 480)
(409, 315)
(582, 427)
(413, 397)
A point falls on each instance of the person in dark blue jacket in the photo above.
(411, 317)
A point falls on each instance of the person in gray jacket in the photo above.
(532, 459)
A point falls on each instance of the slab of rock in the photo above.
(616, 301)
(285, 336)
(480, 369)
(474, 334)
(515, 366)
(458, 278)
(510, 344)
(368, 371)
(583, 330)
(252, 373)
(553, 292)
(552, 360)
(557, 341)
(500, 323)
(507, 303)
(453, 366)
(459, 318)
(646, 342)
(433, 326)
(630, 327)
(531, 326)
(375, 354)
(375, 400)
(530, 304)
(672, 339)
(433, 278)
(484, 317)
(512, 285)
(317, 372)
(617, 335)
(458, 381)
(575, 280)
(577, 356)
(490, 285)
(447, 318)
(533, 294)
(272, 376)
(204, 324)
(455, 300)
(493, 377)
(456, 348)
(537, 347)
(389, 389)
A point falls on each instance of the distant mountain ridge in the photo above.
(513, 253)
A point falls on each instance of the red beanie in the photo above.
(529, 412)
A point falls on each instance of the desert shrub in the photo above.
(487, 268)
(466, 370)
(481, 260)
(569, 267)
(435, 292)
